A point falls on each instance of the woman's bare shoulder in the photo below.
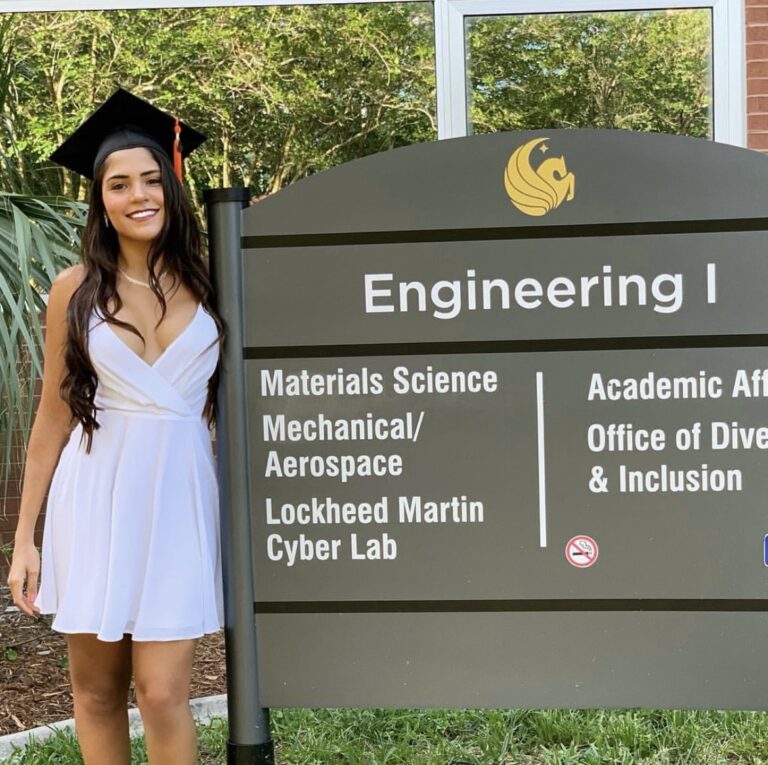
(72, 277)
(63, 287)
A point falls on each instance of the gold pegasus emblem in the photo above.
(536, 192)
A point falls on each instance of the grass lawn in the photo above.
(510, 737)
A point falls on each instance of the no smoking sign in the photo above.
(581, 551)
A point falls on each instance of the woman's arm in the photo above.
(50, 431)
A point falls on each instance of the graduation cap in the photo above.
(125, 121)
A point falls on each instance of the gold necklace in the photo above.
(138, 281)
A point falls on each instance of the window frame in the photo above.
(728, 54)
(728, 44)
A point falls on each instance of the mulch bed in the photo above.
(34, 678)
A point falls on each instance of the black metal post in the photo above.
(250, 742)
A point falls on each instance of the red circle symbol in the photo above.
(581, 551)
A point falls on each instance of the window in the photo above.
(504, 64)
(603, 70)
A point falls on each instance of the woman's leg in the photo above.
(100, 672)
(162, 672)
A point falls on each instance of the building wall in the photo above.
(756, 12)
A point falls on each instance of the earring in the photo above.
(106, 221)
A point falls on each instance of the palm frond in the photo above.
(39, 236)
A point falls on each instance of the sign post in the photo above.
(505, 401)
(249, 737)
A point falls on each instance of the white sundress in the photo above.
(131, 536)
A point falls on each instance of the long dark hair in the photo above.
(179, 243)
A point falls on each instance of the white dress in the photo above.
(131, 537)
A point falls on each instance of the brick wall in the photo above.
(756, 12)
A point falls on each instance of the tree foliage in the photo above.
(38, 237)
(281, 92)
(648, 70)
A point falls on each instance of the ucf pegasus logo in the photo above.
(537, 191)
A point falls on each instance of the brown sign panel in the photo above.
(507, 435)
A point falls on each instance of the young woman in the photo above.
(131, 557)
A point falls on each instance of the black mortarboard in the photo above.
(125, 121)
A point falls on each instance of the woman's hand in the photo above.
(25, 567)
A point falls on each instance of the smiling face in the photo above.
(132, 191)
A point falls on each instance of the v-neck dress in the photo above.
(131, 538)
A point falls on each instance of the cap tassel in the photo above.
(177, 167)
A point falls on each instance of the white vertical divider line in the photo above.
(542, 466)
(711, 283)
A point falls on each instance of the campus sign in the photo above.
(507, 425)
